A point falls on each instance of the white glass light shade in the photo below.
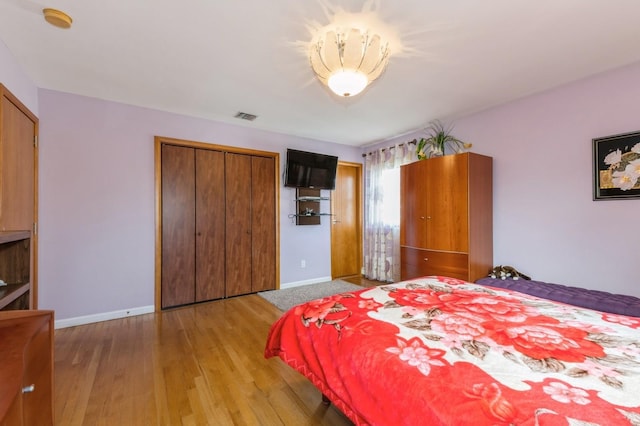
(347, 82)
(348, 61)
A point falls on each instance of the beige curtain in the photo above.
(382, 211)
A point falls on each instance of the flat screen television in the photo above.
(310, 170)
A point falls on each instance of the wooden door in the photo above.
(178, 225)
(346, 221)
(446, 187)
(263, 224)
(238, 223)
(18, 176)
(210, 225)
(413, 204)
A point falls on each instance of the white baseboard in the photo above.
(105, 316)
(305, 282)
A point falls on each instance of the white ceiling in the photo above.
(214, 58)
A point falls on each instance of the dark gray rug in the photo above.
(289, 297)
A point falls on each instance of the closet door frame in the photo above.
(158, 142)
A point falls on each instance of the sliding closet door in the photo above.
(210, 225)
(263, 219)
(178, 224)
(238, 225)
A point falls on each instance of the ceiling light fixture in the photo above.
(348, 60)
(57, 18)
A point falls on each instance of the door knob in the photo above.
(28, 389)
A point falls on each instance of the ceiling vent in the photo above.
(245, 116)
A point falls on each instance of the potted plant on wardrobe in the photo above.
(438, 138)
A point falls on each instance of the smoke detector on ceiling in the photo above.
(57, 18)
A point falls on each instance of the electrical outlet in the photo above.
(303, 263)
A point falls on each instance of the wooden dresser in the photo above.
(26, 370)
(446, 220)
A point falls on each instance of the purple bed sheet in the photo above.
(592, 299)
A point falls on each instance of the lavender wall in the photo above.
(13, 78)
(97, 201)
(545, 222)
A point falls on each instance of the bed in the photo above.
(440, 351)
(592, 299)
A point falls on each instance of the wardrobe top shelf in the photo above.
(10, 236)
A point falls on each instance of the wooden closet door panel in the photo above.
(448, 204)
(263, 224)
(210, 225)
(413, 205)
(178, 226)
(238, 223)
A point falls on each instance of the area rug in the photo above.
(289, 297)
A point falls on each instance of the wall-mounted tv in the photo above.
(310, 170)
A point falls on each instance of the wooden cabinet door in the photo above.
(26, 368)
(17, 168)
(178, 226)
(238, 223)
(210, 225)
(446, 188)
(263, 224)
(413, 205)
(37, 404)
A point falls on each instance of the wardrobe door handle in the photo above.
(28, 389)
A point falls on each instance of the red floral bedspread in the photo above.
(441, 351)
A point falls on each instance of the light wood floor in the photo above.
(196, 365)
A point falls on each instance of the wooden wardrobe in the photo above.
(446, 223)
(218, 230)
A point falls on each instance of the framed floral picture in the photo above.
(616, 166)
